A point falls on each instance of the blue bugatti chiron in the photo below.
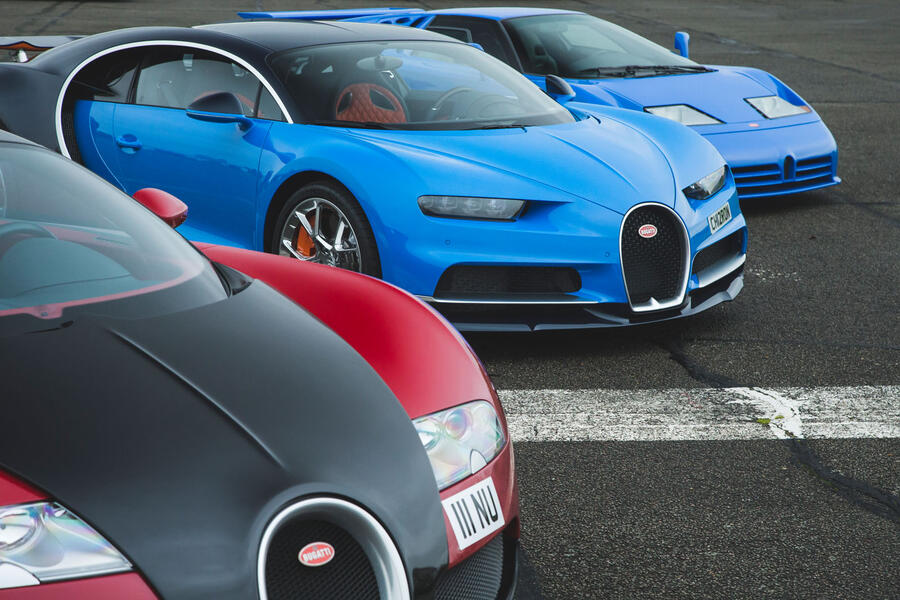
(401, 153)
(774, 142)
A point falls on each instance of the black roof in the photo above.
(282, 35)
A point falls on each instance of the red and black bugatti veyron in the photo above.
(208, 422)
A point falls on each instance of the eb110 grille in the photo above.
(654, 267)
(790, 176)
(477, 578)
(348, 575)
(501, 281)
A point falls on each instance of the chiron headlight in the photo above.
(707, 186)
(684, 114)
(460, 441)
(773, 107)
(42, 542)
(468, 207)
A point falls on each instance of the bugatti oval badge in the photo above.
(647, 231)
(316, 554)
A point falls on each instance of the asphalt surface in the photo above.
(723, 519)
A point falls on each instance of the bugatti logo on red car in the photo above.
(316, 554)
(647, 231)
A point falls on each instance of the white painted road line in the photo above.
(702, 414)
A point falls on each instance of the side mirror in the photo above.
(558, 88)
(164, 205)
(221, 107)
(682, 41)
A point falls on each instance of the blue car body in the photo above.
(589, 183)
(768, 157)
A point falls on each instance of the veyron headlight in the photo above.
(706, 187)
(460, 441)
(684, 114)
(43, 541)
(467, 207)
(773, 107)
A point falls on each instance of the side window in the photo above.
(177, 77)
(485, 32)
(109, 78)
(268, 108)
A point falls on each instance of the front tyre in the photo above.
(323, 223)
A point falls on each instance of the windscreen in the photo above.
(582, 46)
(72, 244)
(412, 85)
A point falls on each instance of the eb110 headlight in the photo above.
(43, 541)
(773, 107)
(684, 114)
(706, 187)
(460, 441)
(466, 207)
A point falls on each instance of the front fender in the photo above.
(424, 361)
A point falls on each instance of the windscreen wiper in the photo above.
(637, 70)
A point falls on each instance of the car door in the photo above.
(211, 166)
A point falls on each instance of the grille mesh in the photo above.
(466, 279)
(348, 575)
(477, 578)
(654, 267)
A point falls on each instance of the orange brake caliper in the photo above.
(305, 244)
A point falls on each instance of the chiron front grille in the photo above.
(479, 577)
(791, 175)
(501, 281)
(348, 575)
(654, 267)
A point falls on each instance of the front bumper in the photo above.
(600, 298)
(543, 317)
(774, 159)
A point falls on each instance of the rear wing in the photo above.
(19, 47)
(393, 15)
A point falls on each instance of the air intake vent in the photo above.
(654, 257)
(476, 578)
(507, 281)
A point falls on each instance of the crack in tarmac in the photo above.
(865, 495)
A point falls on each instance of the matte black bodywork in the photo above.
(168, 439)
(29, 92)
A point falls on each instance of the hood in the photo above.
(179, 437)
(606, 163)
(719, 93)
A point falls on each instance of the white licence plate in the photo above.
(718, 219)
(474, 513)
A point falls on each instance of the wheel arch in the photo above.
(286, 189)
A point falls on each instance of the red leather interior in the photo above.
(360, 106)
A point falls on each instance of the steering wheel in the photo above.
(438, 104)
(21, 228)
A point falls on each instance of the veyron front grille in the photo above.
(790, 175)
(364, 564)
(347, 575)
(654, 266)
